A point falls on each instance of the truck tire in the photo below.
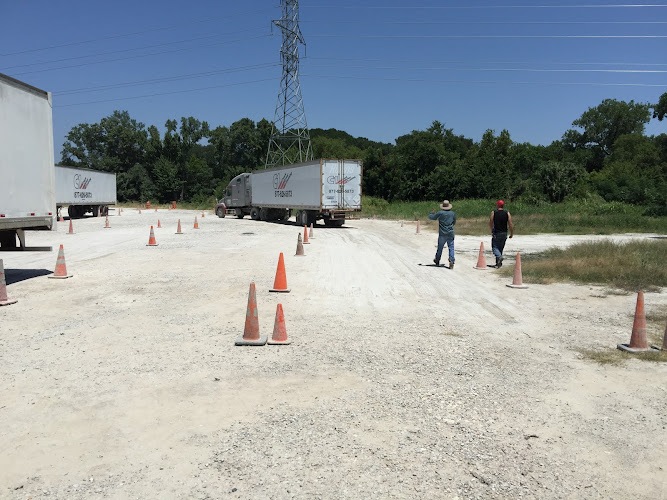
(73, 212)
(263, 214)
(220, 212)
(239, 214)
(104, 210)
(254, 213)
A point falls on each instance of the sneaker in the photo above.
(451, 265)
(499, 261)
(437, 262)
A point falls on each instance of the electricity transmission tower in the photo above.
(290, 140)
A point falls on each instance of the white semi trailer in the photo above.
(27, 173)
(320, 189)
(83, 190)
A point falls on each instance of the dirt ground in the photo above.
(402, 381)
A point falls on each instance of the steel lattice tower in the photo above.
(290, 140)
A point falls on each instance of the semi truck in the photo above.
(27, 168)
(83, 191)
(324, 189)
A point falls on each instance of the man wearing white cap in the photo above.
(446, 218)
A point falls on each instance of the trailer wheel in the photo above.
(220, 212)
(254, 213)
(73, 212)
(239, 214)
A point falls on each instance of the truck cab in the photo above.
(238, 196)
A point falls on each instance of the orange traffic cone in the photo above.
(279, 331)
(4, 300)
(158, 224)
(517, 282)
(62, 219)
(251, 334)
(71, 228)
(148, 204)
(299, 247)
(178, 231)
(305, 235)
(196, 223)
(61, 268)
(202, 215)
(481, 260)
(311, 231)
(151, 239)
(417, 228)
(140, 210)
(638, 341)
(280, 283)
(106, 223)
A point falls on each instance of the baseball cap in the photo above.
(500, 203)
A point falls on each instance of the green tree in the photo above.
(604, 124)
(660, 109)
(199, 178)
(167, 184)
(115, 144)
(135, 184)
(558, 179)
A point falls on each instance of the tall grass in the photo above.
(632, 266)
(592, 216)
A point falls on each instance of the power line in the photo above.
(485, 7)
(143, 55)
(121, 51)
(486, 62)
(494, 82)
(123, 35)
(483, 22)
(536, 70)
(163, 93)
(138, 83)
(480, 36)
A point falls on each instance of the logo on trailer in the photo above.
(279, 184)
(80, 183)
(336, 179)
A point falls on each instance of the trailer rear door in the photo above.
(341, 184)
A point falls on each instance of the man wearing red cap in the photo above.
(499, 221)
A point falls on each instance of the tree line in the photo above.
(605, 154)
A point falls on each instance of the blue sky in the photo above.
(376, 69)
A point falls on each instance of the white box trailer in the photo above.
(325, 189)
(83, 190)
(27, 173)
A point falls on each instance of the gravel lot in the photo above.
(402, 381)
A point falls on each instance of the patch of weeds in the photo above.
(616, 357)
(452, 334)
(631, 266)
(654, 356)
(613, 357)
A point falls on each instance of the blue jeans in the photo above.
(441, 243)
(498, 244)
